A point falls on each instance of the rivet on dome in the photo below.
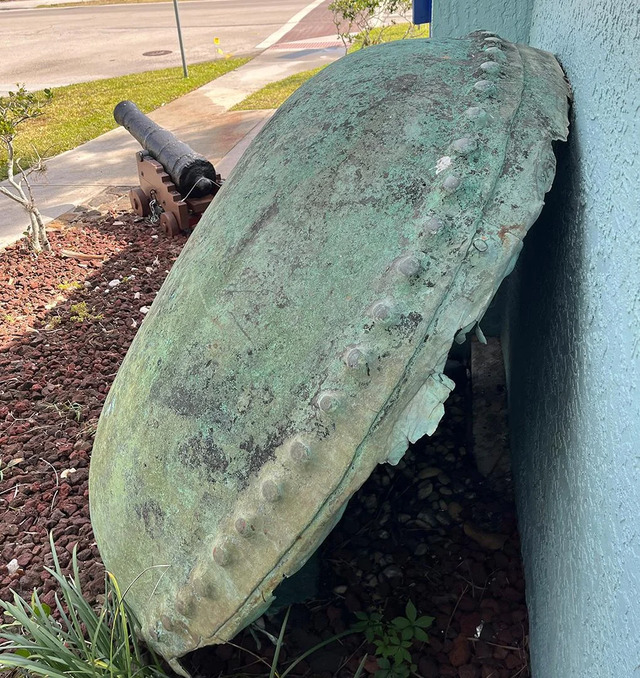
(353, 357)
(221, 555)
(243, 528)
(451, 184)
(484, 87)
(477, 115)
(270, 491)
(491, 67)
(183, 604)
(480, 245)
(495, 53)
(433, 225)
(299, 452)
(380, 310)
(464, 146)
(408, 265)
(202, 587)
(327, 402)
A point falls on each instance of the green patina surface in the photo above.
(300, 338)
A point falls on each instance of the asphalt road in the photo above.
(58, 46)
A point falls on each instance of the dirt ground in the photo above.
(430, 530)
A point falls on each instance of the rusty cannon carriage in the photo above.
(176, 183)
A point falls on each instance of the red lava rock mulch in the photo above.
(430, 530)
(64, 330)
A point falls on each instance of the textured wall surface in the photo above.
(573, 346)
(509, 18)
(575, 354)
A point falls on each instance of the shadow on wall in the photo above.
(544, 352)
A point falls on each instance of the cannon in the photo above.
(176, 183)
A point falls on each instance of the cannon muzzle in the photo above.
(191, 172)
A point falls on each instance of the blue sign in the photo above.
(422, 11)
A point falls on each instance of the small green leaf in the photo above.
(408, 633)
(421, 635)
(404, 655)
(425, 622)
(401, 622)
(411, 611)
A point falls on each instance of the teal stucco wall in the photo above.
(509, 18)
(572, 341)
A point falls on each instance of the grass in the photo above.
(86, 643)
(78, 113)
(275, 94)
(81, 642)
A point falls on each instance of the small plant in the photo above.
(81, 641)
(9, 319)
(369, 19)
(393, 639)
(53, 322)
(68, 408)
(15, 109)
(70, 286)
(80, 312)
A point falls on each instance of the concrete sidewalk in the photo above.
(200, 118)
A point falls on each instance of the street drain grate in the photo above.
(157, 52)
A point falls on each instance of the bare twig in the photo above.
(460, 597)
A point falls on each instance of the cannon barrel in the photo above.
(191, 172)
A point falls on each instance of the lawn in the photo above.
(275, 94)
(78, 113)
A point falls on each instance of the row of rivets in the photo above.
(408, 265)
(486, 87)
(492, 50)
(271, 492)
